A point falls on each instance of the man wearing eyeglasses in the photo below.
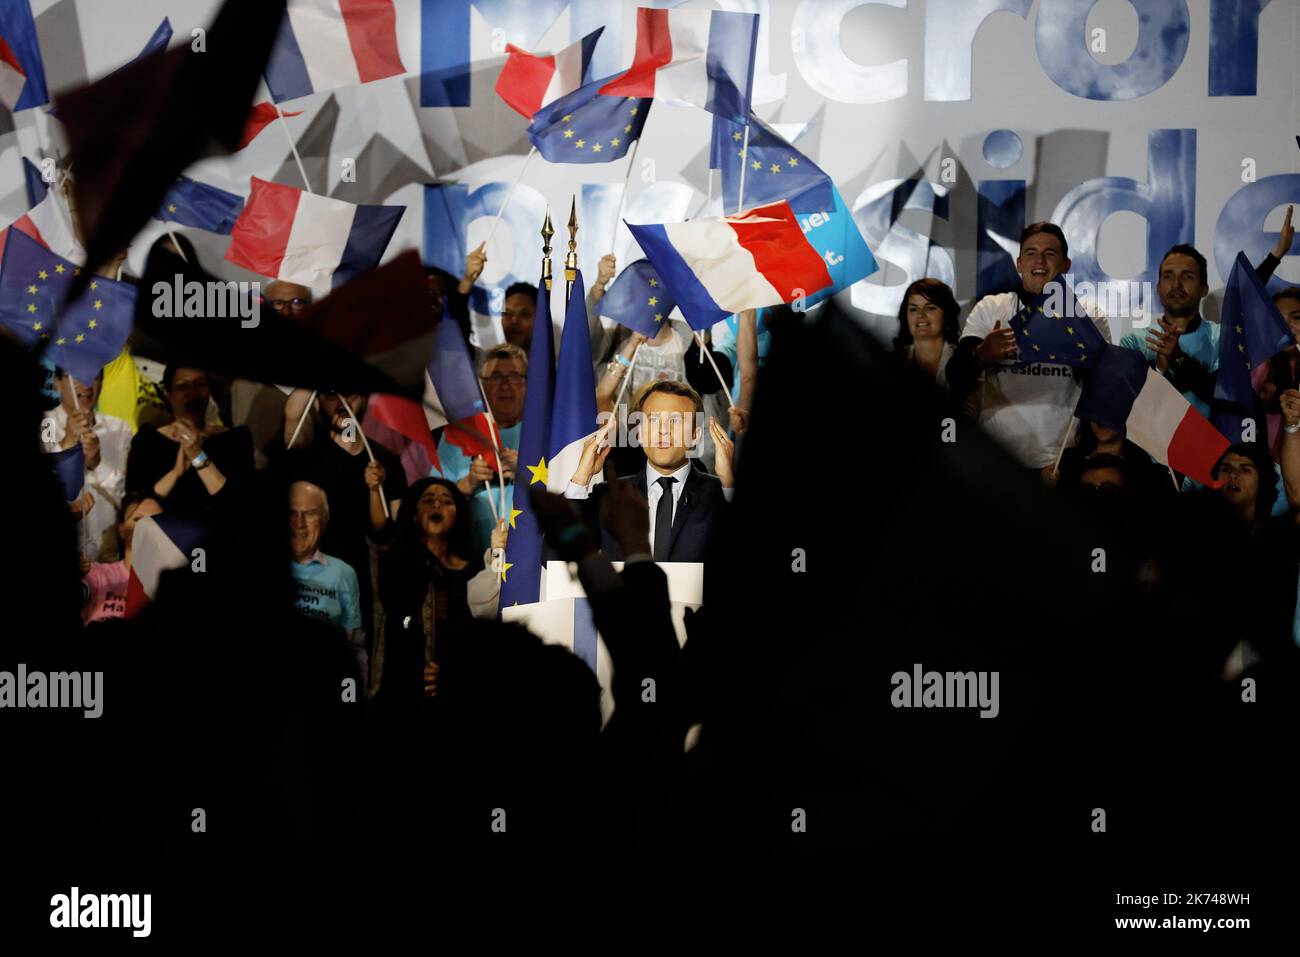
(286, 298)
(503, 370)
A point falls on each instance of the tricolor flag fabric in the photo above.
(196, 204)
(695, 54)
(452, 378)
(476, 436)
(49, 221)
(37, 188)
(258, 118)
(1251, 331)
(529, 82)
(407, 418)
(714, 267)
(638, 299)
(587, 127)
(775, 170)
(1054, 327)
(327, 44)
(521, 571)
(158, 544)
(1123, 392)
(82, 336)
(22, 71)
(70, 470)
(573, 414)
(313, 240)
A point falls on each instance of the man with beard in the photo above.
(1026, 406)
(1182, 345)
(334, 459)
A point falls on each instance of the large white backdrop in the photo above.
(945, 123)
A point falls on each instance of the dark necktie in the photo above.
(664, 518)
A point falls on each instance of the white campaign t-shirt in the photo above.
(1027, 409)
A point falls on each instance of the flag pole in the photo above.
(1069, 434)
(627, 377)
(366, 443)
(518, 176)
(76, 404)
(302, 419)
(175, 242)
(622, 197)
(496, 447)
(302, 170)
(726, 386)
(744, 162)
(1174, 479)
(571, 258)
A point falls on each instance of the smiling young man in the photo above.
(1027, 407)
(684, 502)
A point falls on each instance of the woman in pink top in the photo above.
(103, 588)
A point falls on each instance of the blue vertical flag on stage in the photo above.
(1251, 331)
(573, 416)
(191, 203)
(521, 571)
(82, 336)
(638, 299)
(588, 127)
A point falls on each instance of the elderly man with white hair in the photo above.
(325, 587)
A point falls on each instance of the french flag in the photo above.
(716, 267)
(13, 78)
(158, 544)
(258, 118)
(1123, 392)
(22, 71)
(326, 44)
(49, 222)
(529, 82)
(702, 56)
(301, 237)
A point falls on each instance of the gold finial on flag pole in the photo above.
(571, 260)
(547, 232)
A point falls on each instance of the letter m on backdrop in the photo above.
(445, 38)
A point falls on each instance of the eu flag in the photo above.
(81, 336)
(587, 127)
(191, 203)
(1053, 327)
(521, 572)
(1251, 331)
(775, 169)
(638, 299)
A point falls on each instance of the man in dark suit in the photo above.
(684, 501)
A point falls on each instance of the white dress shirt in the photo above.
(106, 482)
(654, 491)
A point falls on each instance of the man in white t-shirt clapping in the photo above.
(1026, 406)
